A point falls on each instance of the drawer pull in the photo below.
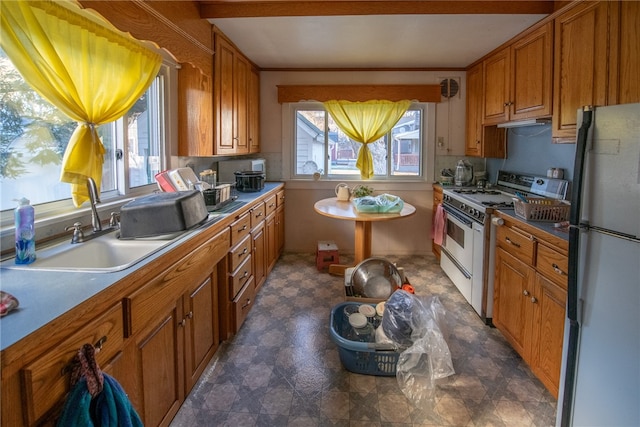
(246, 304)
(76, 362)
(511, 242)
(244, 227)
(259, 215)
(534, 300)
(243, 252)
(557, 269)
(246, 273)
(182, 323)
(525, 293)
(190, 315)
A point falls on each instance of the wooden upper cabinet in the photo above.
(474, 111)
(581, 64)
(195, 100)
(627, 38)
(517, 79)
(254, 111)
(496, 87)
(224, 97)
(531, 74)
(241, 104)
(235, 105)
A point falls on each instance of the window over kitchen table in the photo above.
(319, 146)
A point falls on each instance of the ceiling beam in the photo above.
(211, 9)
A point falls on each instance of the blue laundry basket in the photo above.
(361, 357)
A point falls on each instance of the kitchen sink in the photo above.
(103, 254)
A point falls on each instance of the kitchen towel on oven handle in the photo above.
(439, 230)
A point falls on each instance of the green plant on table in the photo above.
(361, 191)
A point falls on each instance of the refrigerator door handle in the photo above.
(584, 226)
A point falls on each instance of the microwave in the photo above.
(226, 168)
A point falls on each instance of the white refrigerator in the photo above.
(601, 354)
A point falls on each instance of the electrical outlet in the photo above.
(441, 141)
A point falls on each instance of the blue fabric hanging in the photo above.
(96, 399)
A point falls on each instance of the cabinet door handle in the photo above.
(244, 227)
(534, 300)
(246, 304)
(244, 251)
(246, 273)
(525, 293)
(511, 242)
(182, 323)
(190, 315)
(557, 269)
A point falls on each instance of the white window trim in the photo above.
(288, 151)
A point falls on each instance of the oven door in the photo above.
(459, 239)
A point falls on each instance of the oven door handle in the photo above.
(456, 263)
(457, 215)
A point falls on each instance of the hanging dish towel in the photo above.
(439, 230)
(96, 399)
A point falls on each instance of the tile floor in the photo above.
(282, 369)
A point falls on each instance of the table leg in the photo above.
(362, 241)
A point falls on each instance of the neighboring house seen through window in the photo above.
(320, 146)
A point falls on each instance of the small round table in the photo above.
(334, 208)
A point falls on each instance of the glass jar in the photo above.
(362, 329)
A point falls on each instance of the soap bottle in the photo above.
(25, 232)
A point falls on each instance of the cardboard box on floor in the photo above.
(347, 283)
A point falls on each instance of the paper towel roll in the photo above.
(497, 221)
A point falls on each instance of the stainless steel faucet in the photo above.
(94, 198)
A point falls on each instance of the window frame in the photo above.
(53, 217)
(427, 152)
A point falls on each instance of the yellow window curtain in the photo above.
(83, 66)
(366, 122)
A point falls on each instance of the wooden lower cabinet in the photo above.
(271, 232)
(437, 199)
(512, 312)
(159, 368)
(259, 256)
(530, 297)
(548, 331)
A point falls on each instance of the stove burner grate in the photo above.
(498, 204)
(474, 191)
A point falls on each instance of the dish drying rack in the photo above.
(543, 209)
(220, 196)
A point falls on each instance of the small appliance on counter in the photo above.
(464, 174)
(249, 181)
(228, 168)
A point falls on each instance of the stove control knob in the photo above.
(539, 181)
(473, 212)
(463, 207)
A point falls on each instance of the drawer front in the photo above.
(240, 229)
(271, 204)
(163, 290)
(258, 214)
(44, 382)
(239, 253)
(553, 265)
(240, 276)
(517, 244)
(280, 198)
(243, 303)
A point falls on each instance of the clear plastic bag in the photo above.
(384, 203)
(418, 325)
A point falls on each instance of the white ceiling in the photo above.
(371, 41)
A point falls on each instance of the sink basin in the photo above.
(105, 253)
(102, 254)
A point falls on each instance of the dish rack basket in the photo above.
(366, 358)
(220, 196)
(544, 210)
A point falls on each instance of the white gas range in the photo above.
(468, 248)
